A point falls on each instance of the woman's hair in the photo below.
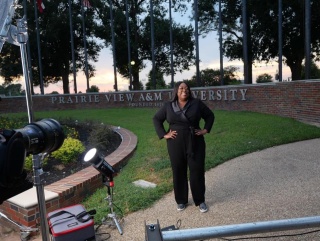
(176, 88)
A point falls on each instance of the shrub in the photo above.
(100, 136)
(28, 164)
(69, 151)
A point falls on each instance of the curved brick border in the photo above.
(72, 189)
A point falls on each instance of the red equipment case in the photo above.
(71, 224)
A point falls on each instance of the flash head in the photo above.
(99, 163)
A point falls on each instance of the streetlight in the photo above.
(130, 73)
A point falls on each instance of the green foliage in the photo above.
(28, 164)
(69, 151)
(211, 77)
(314, 71)
(100, 136)
(11, 90)
(264, 78)
(160, 82)
(12, 123)
(93, 89)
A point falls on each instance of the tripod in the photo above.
(112, 215)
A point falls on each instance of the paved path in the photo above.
(277, 183)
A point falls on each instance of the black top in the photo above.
(194, 111)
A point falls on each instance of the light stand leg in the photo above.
(24, 231)
(38, 182)
(112, 214)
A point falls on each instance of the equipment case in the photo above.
(71, 224)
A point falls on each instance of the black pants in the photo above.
(186, 153)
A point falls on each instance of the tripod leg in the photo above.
(117, 224)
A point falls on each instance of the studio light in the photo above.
(39, 137)
(100, 163)
(107, 172)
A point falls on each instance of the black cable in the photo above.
(275, 236)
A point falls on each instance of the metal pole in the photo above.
(280, 38)
(72, 48)
(39, 47)
(245, 41)
(129, 47)
(241, 229)
(28, 46)
(196, 35)
(38, 183)
(113, 48)
(171, 45)
(307, 39)
(85, 46)
(220, 42)
(152, 45)
(22, 39)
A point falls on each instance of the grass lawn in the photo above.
(234, 134)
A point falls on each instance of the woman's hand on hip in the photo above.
(200, 132)
(171, 135)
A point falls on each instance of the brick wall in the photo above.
(298, 99)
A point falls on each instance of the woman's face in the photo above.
(183, 92)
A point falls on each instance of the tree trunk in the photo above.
(135, 81)
(296, 70)
(65, 81)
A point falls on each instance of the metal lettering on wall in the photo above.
(150, 99)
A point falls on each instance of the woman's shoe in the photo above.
(181, 207)
(203, 207)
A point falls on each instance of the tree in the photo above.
(264, 78)
(140, 38)
(211, 77)
(93, 89)
(160, 82)
(55, 44)
(263, 37)
(314, 71)
(11, 89)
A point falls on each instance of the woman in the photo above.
(185, 143)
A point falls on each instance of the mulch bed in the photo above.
(55, 170)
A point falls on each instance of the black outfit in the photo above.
(187, 149)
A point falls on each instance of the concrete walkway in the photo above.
(277, 183)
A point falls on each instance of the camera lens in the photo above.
(42, 136)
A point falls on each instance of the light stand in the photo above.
(107, 171)
(38, 183)
(24, 231)
(112, 215)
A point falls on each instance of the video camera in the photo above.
(39, 137)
